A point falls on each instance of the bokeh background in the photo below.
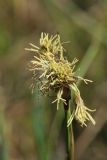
(30, 126)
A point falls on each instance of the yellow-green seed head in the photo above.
(54, 72)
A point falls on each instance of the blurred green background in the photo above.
(30, 126)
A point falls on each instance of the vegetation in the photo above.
(30, 126)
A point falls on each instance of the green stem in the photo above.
(69, 134)
(72, 142)
(68, 141)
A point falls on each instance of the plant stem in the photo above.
(68, 144)
(69, 133)
(72, 142)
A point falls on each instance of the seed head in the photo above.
(53, 71)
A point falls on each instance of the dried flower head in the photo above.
(53, 71)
